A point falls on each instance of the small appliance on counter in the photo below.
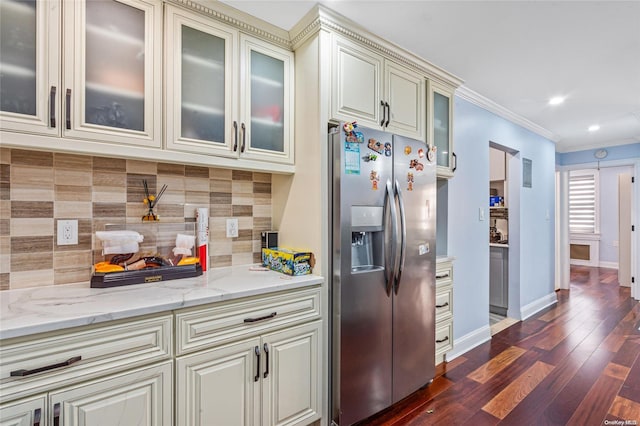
(144, 253)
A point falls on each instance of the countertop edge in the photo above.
(217, 295)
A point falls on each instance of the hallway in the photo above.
(577, 363)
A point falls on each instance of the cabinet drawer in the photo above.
(444, 274)
(444, 303)
(444, 337)
(199, 328)
(102, 350)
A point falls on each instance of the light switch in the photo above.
(480, 213)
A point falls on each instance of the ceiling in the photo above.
(517, 54)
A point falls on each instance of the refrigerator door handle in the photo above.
(403, 239)
(390, 252)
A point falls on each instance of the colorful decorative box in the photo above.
(288, 261)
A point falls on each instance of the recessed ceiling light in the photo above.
(594, 128)
(556, 100)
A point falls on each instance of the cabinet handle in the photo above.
(384, 111)
(442, 340)
(244, 137)
(455, 161)
(386, 104)
(445, 275)
(56, 414)
(68, 109)
(22, 373)
(266, 317)
(266, 351)
(444, 305)
(52, 107)
(36, 417)
(257, 351)
(235, 137)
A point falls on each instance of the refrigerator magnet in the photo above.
(351, 158)
(376, 146)
(374, 178)
(415, 164)
(407, 150)
(409, 181)
(420, 153)
(431, 154)
(387, 149)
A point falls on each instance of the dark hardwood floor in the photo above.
(577, 363)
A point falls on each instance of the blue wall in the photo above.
(468, 236)
(619, 152)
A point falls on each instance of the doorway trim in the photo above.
(635, 213)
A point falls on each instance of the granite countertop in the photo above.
(444, 258)
(41, 309)
(498, 245)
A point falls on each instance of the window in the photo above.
(583, 202)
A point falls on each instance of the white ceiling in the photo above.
(517, 54)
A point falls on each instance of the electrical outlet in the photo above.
(67, 232)
(480, 213)
(232, 228)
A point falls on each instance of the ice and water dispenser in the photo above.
(367, 238)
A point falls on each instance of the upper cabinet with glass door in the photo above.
(112, 76)
(440, 123)
(266, 117)
(228, 94)
(201, 86)
(29, 64)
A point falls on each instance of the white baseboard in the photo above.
(469, 341)
(538, 305)
(612, 265)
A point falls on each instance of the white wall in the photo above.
(474, 128)
(609, 214)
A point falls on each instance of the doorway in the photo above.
(503, 236)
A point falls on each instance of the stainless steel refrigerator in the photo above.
(382, 292)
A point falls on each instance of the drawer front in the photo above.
(444, 338)
(102, 350)
(444, 304)
(444, 274)
(200, 328)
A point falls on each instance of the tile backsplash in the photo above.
(38, 188)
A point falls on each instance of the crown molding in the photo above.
(477, 99)
(238, 19)
(323, 18)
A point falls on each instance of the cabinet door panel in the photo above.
(218, 386)
(406, 96)
(200, 67)
(113, 71)
(26, 412)
(356, 84)
(139, 397)
(267, 95)
(441, 129)
(292, 389)
(29, 77)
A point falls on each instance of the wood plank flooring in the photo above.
(577, 363)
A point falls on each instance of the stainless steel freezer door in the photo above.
(361, 304)
(414, 294)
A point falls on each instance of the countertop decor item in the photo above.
(151, 201)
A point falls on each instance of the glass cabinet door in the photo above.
(267, 95)
(112, 79)
(200, 87)
(29, 47)
(441, 127)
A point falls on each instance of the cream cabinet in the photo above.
(30, 62)
(440, 123)
(107, 86)
(117, 372)
(228, 93)
(375, 91)
(250, 362)
(112, 71)
(444, 309)
(25, 412)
